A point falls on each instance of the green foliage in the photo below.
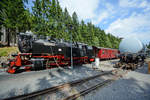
(48, 18)
(12, 13)
(13, 17)
(148, 46)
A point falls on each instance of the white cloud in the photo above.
(135, 4)
(106, 13)
(109, 7)
(88, 9)
(85, 9)
(129, 3)
(143, 4)
(146, 5)
(136, 25)
(143, 36)
(101, 17)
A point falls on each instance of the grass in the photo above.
(5, 51)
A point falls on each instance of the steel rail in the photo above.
(86, 91)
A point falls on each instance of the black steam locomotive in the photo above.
(47, 52)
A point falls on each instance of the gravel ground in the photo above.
(107, 65)
(26, 82)
(4, 60)
(133, 86)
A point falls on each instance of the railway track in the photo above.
(55, 89)
(86, 91)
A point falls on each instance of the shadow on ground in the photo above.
(144, 71)
(14, 92)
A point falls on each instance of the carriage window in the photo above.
(90, 47)
(80, 46)
(113, 52)
(106, 52)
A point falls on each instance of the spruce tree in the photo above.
(12, 17)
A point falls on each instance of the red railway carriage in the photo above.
(106, 53)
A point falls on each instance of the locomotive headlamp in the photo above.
(59, 49)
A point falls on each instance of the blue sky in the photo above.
(122, 18)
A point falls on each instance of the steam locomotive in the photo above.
(39, 53)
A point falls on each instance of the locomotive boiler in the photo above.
(29, 43)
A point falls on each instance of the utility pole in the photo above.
(71, 46)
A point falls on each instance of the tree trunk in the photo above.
(14, 38)
(4, 35)
(8, 37)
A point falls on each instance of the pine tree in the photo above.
(75, 24)
(12, 17)
(67, 22)
(84, 32)
(148, 46)
(48, 18)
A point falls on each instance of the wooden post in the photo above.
(149, 67)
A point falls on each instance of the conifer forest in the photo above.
(46, 17)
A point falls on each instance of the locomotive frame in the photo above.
(29, 61)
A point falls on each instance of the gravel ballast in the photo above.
(27, 82)
(133, 86)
